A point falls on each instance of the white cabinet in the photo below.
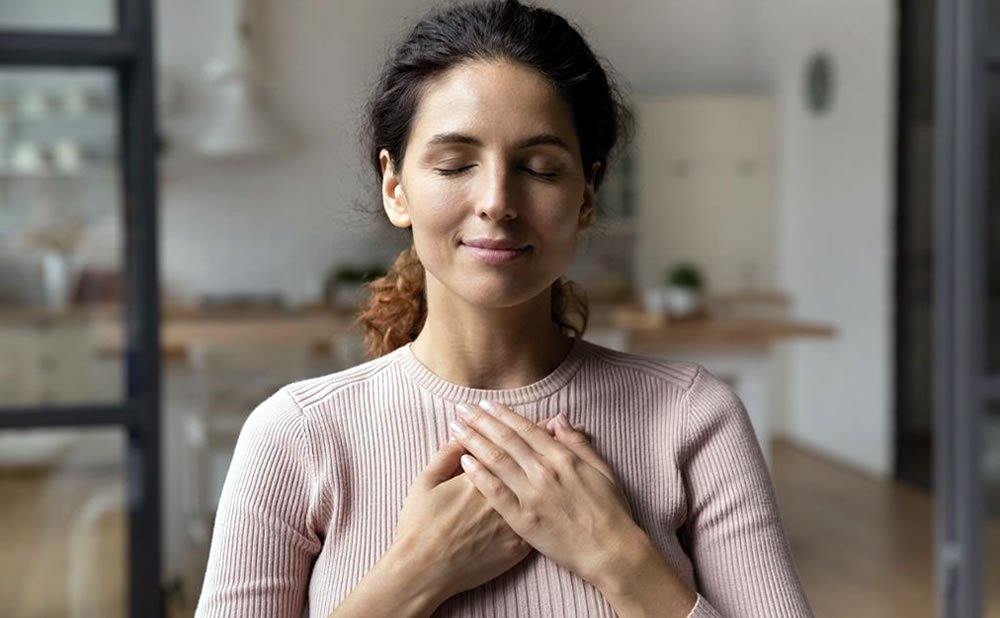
(54, 362)
(705, 179)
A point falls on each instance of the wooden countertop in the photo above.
(321, 325)
(180, 328)
(649, 331)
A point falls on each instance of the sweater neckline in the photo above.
(555, 380)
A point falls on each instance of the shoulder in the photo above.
(310, 394)
(676, 375)
(287, 420)
(704, 398)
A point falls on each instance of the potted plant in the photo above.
(345, 284)
(684, 287)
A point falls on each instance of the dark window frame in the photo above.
(965, 62)
(128, 52)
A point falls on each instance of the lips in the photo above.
(507, 244)
(495, 251)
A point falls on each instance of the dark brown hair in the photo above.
(496, 30)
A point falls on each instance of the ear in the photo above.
(589, 198)
(393, 198)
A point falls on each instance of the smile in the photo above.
(494, 256)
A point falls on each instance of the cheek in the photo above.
(436, 216)
(563, 225)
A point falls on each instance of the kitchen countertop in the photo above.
(321, 325)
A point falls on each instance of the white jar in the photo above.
(682, 301)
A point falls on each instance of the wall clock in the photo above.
(819, 82)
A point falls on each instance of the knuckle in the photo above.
(564, 460)
(530, 520)
(545, 475)
(523, 426)
(505, 435)
(577, 438)
(495, 457)
(494, 490)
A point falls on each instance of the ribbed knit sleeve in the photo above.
(742, 560)
(263, 544)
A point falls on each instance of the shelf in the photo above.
(90, 171)
(53, 117)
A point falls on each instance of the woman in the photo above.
(491, 128)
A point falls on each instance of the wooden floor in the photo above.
(863, 547)
(62, 544)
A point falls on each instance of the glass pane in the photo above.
(991, 498)
(63, 523)
(60, 238)
(75, 15)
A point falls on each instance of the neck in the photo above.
(490, 348)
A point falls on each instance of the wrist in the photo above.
(638, 581)
(415, 586)
(394, 586)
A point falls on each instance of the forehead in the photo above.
(496, 102)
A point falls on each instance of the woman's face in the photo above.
(492, 184)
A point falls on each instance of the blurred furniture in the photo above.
(183, 326)
(97, 286)
(227, 381)
(54, 360)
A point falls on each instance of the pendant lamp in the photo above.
(242, 124)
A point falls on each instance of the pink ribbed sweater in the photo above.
(322, 467)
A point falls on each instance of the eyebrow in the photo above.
(535, 140)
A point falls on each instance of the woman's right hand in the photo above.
(451, 532)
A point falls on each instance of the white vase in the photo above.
(55, 280)
(682, 301)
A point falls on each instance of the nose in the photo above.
(495, 200)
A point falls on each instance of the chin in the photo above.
(498, 294)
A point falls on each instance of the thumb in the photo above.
(545, 424)
(577, 442)
(443, 465)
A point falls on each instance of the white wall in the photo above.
(276, 223)
(835, 204)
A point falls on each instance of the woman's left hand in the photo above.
(556, 493)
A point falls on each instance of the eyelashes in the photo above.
(455, 171)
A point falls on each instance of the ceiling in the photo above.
(666, 45)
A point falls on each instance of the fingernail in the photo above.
(456, 428)
(551, 425)
(486, 404)
(464, 411)
(467, 461)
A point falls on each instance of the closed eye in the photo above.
(533, 172)
(452, 171)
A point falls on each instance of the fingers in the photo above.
(503, 500)
(501, 452)
(544, 424)
(509, 435)
(538, 439)
(578, 443)
(443, 465)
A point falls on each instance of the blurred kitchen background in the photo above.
(772, 221)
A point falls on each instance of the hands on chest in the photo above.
(525, 486)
